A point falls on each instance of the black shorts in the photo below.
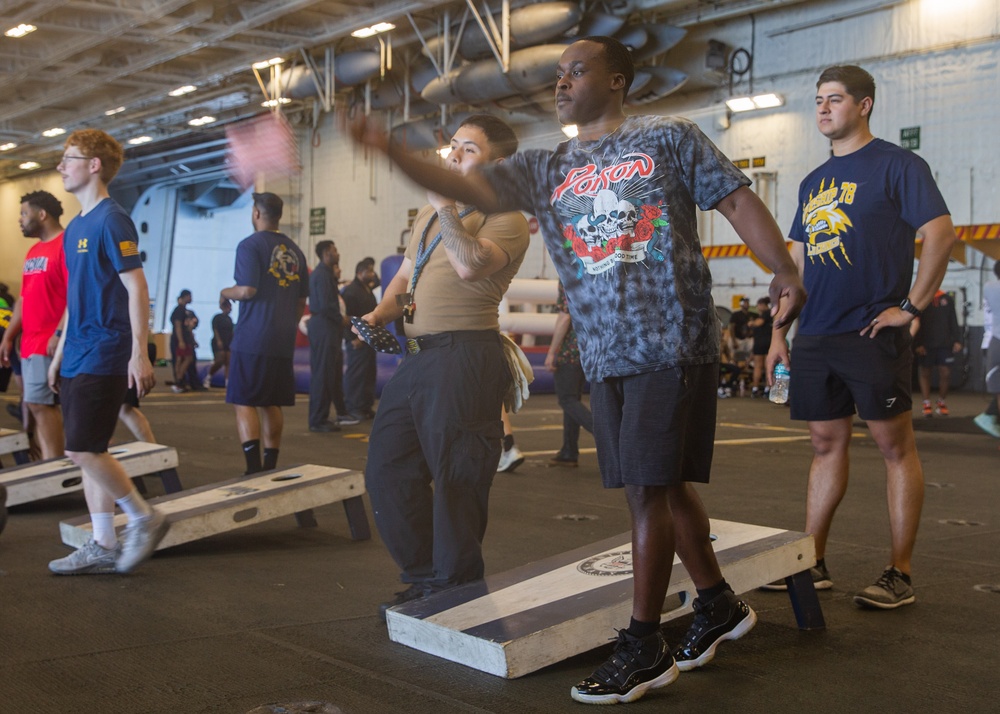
(90, 404)
(833, 374)
(260, 380)
(658, 428)
(937, 357)
(132, 397)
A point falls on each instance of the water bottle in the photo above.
(779, 391)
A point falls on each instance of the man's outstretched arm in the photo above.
(473, 190)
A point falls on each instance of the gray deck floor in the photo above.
(275, 613)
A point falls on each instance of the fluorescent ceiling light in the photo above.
(54, 131)
(140, 140)
(740, 104)
(181, 91)
(112, 112)
(21, 30)
(758, 101)
(29, 165)
(373, 30)
(276, 102)
(570, 130)
(268, 63)
(202, 121)
(768, 101)
(444, 151)
(8, 146)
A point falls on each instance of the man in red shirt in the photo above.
(37, 316)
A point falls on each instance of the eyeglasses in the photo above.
(67, 158)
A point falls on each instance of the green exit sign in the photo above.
(909, 138)
(317, 221)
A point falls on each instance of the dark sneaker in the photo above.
(890, 591)
(89, 559)
(142, 535)
(563, 460)
(724, 618)
(820, 575)
(326, 427)
(414, 592)
(348, 420)
(637, 665)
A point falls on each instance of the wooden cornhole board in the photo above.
(240, 502)
(16, 443)
(52, 477)
(516, 622)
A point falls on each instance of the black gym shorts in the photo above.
(657, 428)
(831, 374)
(90, 404)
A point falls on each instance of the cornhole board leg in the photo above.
(357, 518)
(805, 604)
(517, 622)
(221, 507)
(53, 477)
(306, 519)
(168, 477)
(16, 443)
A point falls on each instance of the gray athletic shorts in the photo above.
(35, 373)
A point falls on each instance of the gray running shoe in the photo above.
(91, 558)
(141, 538)
(820, 577)
(890, 591)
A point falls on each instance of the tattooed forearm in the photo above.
(469, 251)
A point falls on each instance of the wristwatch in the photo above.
(907, 306)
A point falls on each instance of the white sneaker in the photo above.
(176, 389)
(90, 558)
(207, 382)
(510, 460)
(142, 535)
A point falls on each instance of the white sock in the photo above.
(134, 505)
(104, 529)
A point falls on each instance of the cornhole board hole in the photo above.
(16, 443)
(519, 621)
(220, 507)
(44, 479)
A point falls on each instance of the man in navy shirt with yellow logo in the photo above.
(102, 353)
(853, 241)
(272, 284)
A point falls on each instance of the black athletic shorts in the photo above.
(90, 404)
(132, 397)
(260, 380)
(833, 374)
(937, 357)
(657, 428)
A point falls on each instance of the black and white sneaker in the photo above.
(820, 577)
(726, 617)
(637, 665)
(891, 590)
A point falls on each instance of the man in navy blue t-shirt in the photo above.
(853, 241)
(102, 352)
(272, 284)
